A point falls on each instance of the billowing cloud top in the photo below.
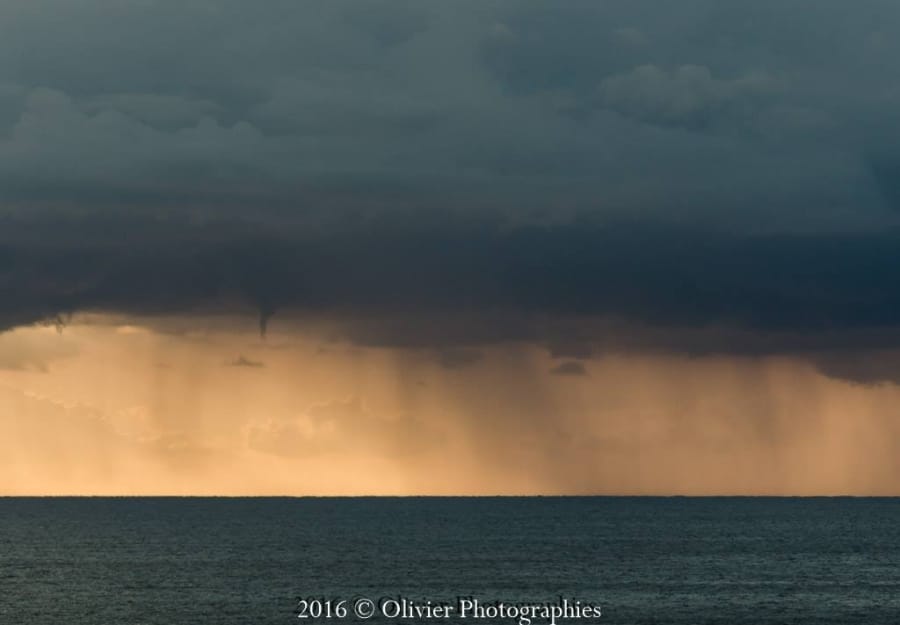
(701, 175)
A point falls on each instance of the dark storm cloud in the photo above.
(885, 168)
(873, 367)
(459, 358)
(514, 107)
(453, 174)
(673, 277)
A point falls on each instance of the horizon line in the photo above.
(457, 496)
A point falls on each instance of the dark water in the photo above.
(646, 560)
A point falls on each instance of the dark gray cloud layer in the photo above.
(797, 283)
(771, 116)
(673, 165)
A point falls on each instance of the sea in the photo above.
(260, 561)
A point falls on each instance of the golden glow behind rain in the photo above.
(109, 408)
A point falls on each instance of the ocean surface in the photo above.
(172, 561)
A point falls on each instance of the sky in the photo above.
(405, 247)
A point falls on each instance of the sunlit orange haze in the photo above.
(109, 407)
